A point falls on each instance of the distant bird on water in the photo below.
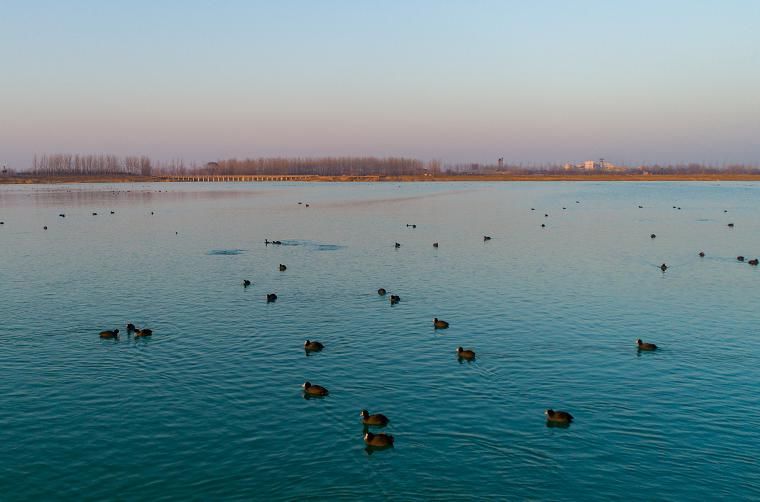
(314, 390)
(559, 417)
(246, 283)
(663, 267)
(397, 245)
(395, 299)
(465, 354)
(486, 238)
(376, 419)
(435, 244)
(731, 225)
(381, 291)
(271, 297)
(701, 254)
(440, 324)
(283, 268)
(110, 334)
(381, 440)
(753, 262)
(313, 346)
(652, 236)
(740, 258)
(143, 332)
(645, 345)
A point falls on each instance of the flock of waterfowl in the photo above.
(382, 440)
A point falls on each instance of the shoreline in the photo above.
(57, 180)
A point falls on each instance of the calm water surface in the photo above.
(211, 406)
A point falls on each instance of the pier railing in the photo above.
(228, 178)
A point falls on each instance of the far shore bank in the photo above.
(57, 180)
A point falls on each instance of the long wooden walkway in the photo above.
(228, 178)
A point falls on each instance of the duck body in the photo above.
(314, 390)
(440, 324)
(246, 283)
(740, 258)
(753, 262)
(271, 297)
(559, 417)
(645, 345)
(397, 245)
(381, 291)
(465, 354)
(109, 334)
(435, 244)
(381, 440)
(663, 267)
(283, 268)
(143, 332)
(376, 419)
(395, 299)
(701, 254)
(652, 236)
(313, 346)
(486, 238)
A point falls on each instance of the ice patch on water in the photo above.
(225, 252)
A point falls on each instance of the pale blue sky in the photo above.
(533, 81)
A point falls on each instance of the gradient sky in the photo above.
(543, 81)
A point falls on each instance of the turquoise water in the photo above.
(211, 406)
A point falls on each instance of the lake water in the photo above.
(211, 406)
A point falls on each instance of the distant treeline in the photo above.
(63, 164)
(92, 165)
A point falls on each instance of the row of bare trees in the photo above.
(63, 164)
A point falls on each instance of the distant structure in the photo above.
(592, 165)
(501, 162)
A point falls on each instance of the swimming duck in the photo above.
(560, 417)
(641, 207)
(44, 228)
(131, 328)
(314, 390)
(435, 244)
(753, 261)
(395, 299)
(486, 238)
(113, 212)
(663, 267)
(283, 268)
(397, 245)
(376, 419)
(109, 334)
(381, 291)
(543, 225)
(381, 440)
(652, 236)
(701, 254)
(94, 214)
(271, 297)
(62, 215)
(246, 283)
(731, 225)
(143, 332)
(465, 354)
(440, 324)
(314, 346)
(645, 345)
(740, 258)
